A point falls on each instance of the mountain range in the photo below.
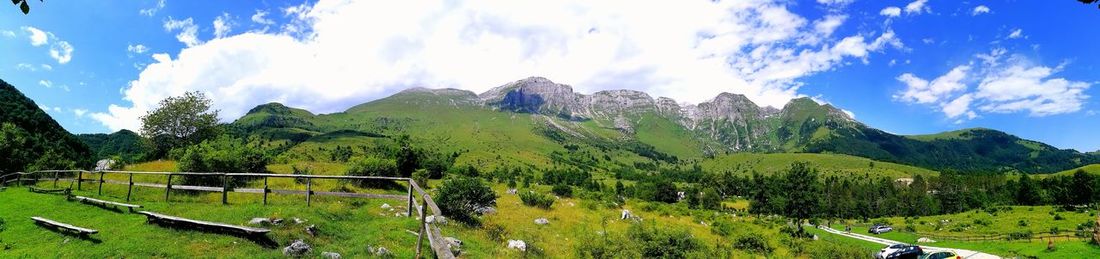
(524, 120)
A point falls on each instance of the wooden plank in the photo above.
(155, 217)
(98, 201)
(53, 223)
(41, 190)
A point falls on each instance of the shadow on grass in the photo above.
(260, 239)
(70, 233)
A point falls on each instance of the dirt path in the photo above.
(961, 252)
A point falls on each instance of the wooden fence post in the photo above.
(19, 179)
(79, 179)
(265, 190)
(309, 190)
(423, 227)
(54, 179)
(130, 188)
(225, 189)
(410, 213)
(168, 187)
(101, 183)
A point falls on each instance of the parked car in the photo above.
(941, 255)
(908, 252)
(879, 229)
(886, 251)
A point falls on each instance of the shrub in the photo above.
(223, 155)
(753, 244)
(460, 198)
(562, 190)
(910, 228)
(534, 199)
(421, 177)
(1022, 223)
(982, 222)
(1, 224)
(1058, 217)
(301, 170)
(663, 242)
(495, 232)
(372, 166)
(1019, 235)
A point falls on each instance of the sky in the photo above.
(907, 67)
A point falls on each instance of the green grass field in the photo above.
(827, 164)
(1039, 220)
(346, 226)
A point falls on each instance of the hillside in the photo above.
(31, 139)
(523, 122)
(124, 143)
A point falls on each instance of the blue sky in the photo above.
(907, 67)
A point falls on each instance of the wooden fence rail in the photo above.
(427, 230)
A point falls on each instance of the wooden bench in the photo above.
(65, 191)
(172, 221)
(99, 202)
(51, 223)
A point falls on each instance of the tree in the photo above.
(23, 6)
(221, 155)
(372, 166)
(461, 198)
(803, 190)
(408, 159)
(1027, 193)
(179, 121)
(1089, 2)
(1083, 187)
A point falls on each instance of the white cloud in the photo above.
(7, 33)
(1016, 34)
(222, 25)
(46, 67)
(260, 19)
(45, 83)
(188, 31)
(37, 37)
(26, 67)
(835, 2)
(137, 49)
(892, 11)
(61, 51)
(153, 10)
(916, 7)
(48, 109)
(978, 10)
(79, 112)
(1001, 85)
(334, 54)
(922, 91)
(827, 25)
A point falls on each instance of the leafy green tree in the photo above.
(562, 190)
(803, 190)
(460, 198)
(1027, 193)
(179, 121)
(372, 166)
(408, 158)
(710, 199)
(1084, 185)
(221, 155)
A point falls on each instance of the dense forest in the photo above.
(30, 139)
(124, 144)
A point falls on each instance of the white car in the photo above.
(880, 229)
(889, 250)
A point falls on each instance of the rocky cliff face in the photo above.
(730, 119)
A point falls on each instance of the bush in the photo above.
(497, 233)
(372, 166)
(534, 199)
(304, 169)
(1022, 223)
(663, 242)
(460, 198)
(1058, 217)
(1, 224)
(1019, 235)
(562, 190)
(421, 177)
(222, 155)
(753, 244)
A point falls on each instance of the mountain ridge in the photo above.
(728, 123)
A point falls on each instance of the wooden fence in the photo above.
(435, 238)
(1004, 237)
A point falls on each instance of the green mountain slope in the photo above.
(30, 139)
(125, 143)
(529, 120)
